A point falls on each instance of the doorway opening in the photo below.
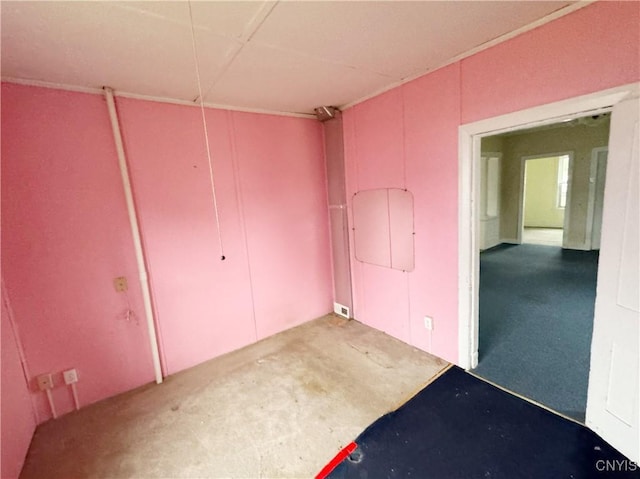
(545, 201)
(612, 398)
(538, 277)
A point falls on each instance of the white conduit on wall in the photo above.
(137, 242)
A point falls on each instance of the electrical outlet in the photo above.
(45, 381)
(120, 283)
(428, 323)
(70, 376)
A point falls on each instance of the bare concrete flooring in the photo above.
(281, 408)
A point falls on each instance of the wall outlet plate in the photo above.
(45, 381)
(120, 283)
(70, 376)
(428, 323)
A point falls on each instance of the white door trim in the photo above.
(469, 137)
(490, 222)
(593, 170)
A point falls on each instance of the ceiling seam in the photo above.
(253, 30)
(252, 27)
(325, 60)
(173, 21)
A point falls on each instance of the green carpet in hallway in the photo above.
(536, 320)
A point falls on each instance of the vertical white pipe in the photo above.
(137, 242)
(74, 391)
(51, 405)
(18, 341)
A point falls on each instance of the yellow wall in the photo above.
(492, 144)
(540, 210)
(580, 139)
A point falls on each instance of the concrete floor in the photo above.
(281, 408)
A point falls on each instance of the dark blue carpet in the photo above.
(536, 320)
(462, 427)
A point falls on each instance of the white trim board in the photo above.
(521, 195)
(593, 168)
(158, 99)
(469, 138)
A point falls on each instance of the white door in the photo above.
(613, 396)
(600, 176)
(490, 200)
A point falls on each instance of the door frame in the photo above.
(469, 153)
(593, 179)
(487, 155)
(521, 195)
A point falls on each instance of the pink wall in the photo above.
(374, 156)
(412, 132)
(18, 419)
(203, 305)
(271, 195)
(592, 49)
(283, 186)
(420, 120)
(65, 236)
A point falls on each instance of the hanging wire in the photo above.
(206, 135)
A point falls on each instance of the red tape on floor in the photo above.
(326, 470)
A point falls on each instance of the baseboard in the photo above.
(577, 247)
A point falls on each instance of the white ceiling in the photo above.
(288, 56)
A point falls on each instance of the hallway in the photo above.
(536, 321)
